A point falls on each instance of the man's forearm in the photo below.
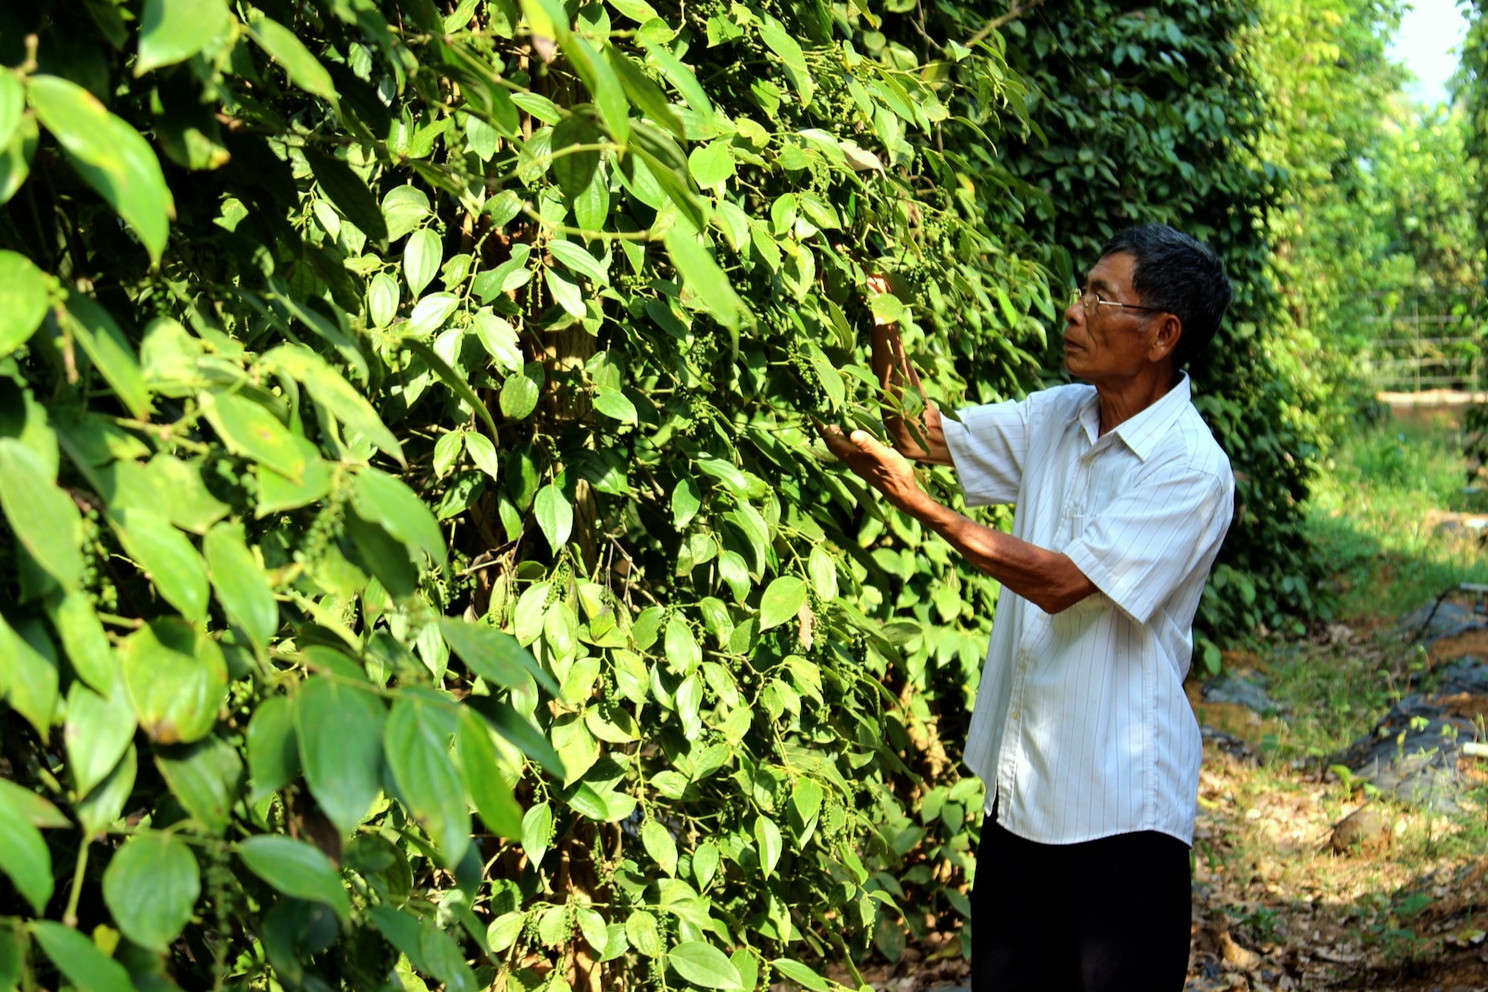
(1048, 579)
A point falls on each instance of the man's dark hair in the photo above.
(1174, 272)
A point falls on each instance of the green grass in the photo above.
(1375, 516)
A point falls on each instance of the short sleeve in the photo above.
(989, 447)
(1148, 541)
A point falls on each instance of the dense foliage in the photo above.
(1155, 114)
(407, 414)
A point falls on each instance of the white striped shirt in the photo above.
(1081, 728)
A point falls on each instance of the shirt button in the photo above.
(1016, 714)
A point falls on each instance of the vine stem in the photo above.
(70, 916)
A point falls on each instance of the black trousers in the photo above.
(1108, 915)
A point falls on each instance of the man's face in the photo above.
(1108, 343)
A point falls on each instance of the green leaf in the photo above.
(204, 777)
(28, 678)
(494, 655)
(823, 572)
(703, 964)
(272, 746)
(416, 746)
(566, 294)
(705, 863)
(643, 92)
(150, 886)
(87, 968)
(554, 515)
(176, 678)
(12, 108)
(242, 586)
(705, 279)
(452, 379)
(769, 843)
(577, 259)
(44, 518)
(34, 809)
(615, 405)
(782, 600)
(800, 974)
(537, 832)
(15, 159)
(421, 258)
(660, 844)
(603, 84)
(488, 786)
(296, 869)
(519, 731)
(430, 314)
(339, 730)
(250, 430)
(304, 69)
(483, 453)
(110, 352)
(167, 555)
(389, 503)
(644, 934)
(24, 296)
(519, 395)
(333, 392)
(111, 157)
(382, 299)
(24, 855)
(405, 208)
(711, 164)
(98, 730)
(172, 31)
(349, 193)
(682, 651)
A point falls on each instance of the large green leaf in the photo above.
(78, 958)
(111, 156)
(98, 729)
(702, 275)
(339, 729)
(24, 855)
(334, 393)
(242, 586)
(416, 745)
(781, 601)
(703, 964)
(12, 106)
(248, 429)
(296, 869)
(489, 787)
(421, 258)
(105, 803)
(24, 296)
(110, 351)
(554, 515)
(272, 747)
(176, 677)
(28, 677)
(150, 886)
(389, 503)
(494, 655)
(303, 68)
(42, 516)
(168, 555)
(172, 31)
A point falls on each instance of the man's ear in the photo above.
(1169, 331)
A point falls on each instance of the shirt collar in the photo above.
(1142, 432)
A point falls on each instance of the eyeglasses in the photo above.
(1089, 299)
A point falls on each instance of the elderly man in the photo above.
(1081, 732)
